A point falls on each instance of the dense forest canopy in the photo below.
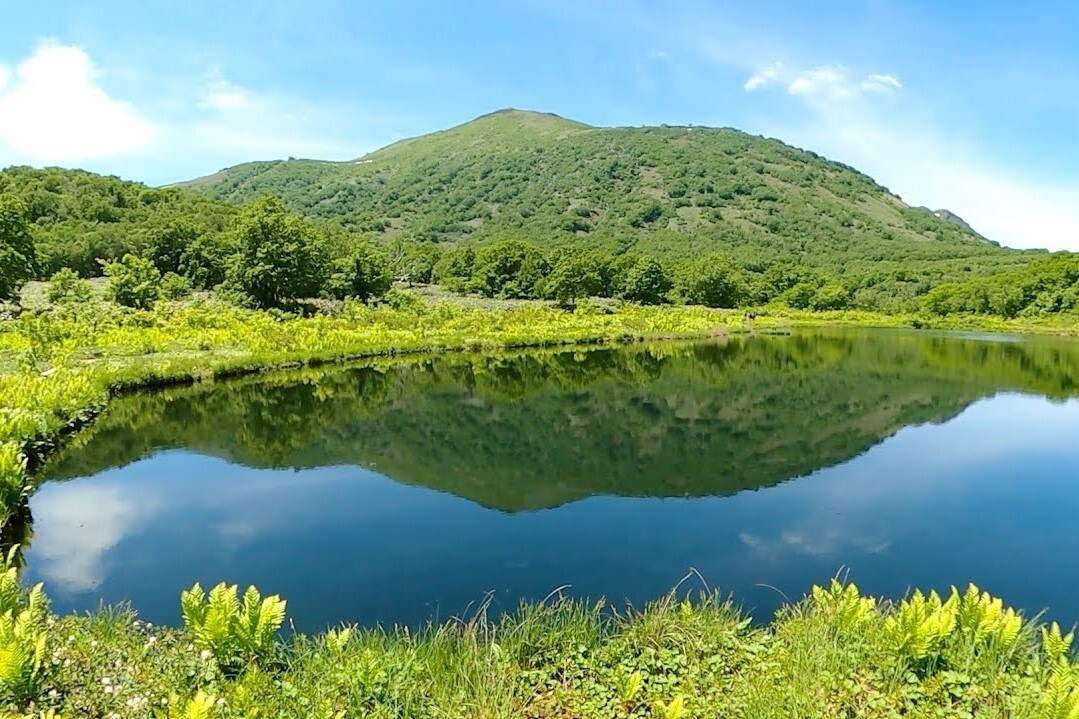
(527, 205)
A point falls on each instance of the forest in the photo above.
(67, 226)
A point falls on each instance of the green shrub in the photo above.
(281, 257)
(175, 287)
(133, 282)
(65, 287)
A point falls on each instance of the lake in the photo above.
(402, 491)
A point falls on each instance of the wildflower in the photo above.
(106, 681)
(205, 655)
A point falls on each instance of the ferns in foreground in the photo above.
(236, 633)
(23, 633)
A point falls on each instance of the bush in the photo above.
(175, 287)
(510, 269)
(364, 274)
(712, 282)
(574, 275)
(65, 287)
(133, 282)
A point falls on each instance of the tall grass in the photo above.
(565, 658)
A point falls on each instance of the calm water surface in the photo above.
(401, 492)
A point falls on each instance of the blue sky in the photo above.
(972, 106)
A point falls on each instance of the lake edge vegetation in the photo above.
(836, 653)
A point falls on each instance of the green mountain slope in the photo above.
(671, 191)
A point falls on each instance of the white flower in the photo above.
(205, 655)
(106, 681)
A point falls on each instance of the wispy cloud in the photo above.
(53, 110)
(828, 82)
(220, 94)
(764, 77)
(878, 83)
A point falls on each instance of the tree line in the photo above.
(264, 256)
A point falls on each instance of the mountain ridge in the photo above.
(674, 192)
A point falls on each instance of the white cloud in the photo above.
(763, 77)
(828, 82)
(881, 83)
(220, 94)
(52, 110)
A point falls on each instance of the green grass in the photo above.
(834, 655)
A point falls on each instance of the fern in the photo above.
(22, 651)
(920, 627)
(986, 621)
(200, 706)
(1061, 696)
(23, 633)
(844, 605)
(235, 633)
(1056, 646)
(338, 639)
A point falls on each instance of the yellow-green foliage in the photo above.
(922, 624)
(235, 632)
(23, 633)
(200, 706)
(843, 605)
(986, 620)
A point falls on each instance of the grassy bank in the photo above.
(834, 655)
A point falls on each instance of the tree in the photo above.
(831, 296)
(66, 288)
(364, 273)
(712, 282)
(574, 275)
(18, 257)
(205, 261)
(133, 282)
(509, 268)
(454, 270)
(281, 257)
(640, 279)
(167, 245)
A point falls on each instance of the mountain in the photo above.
(674, 192)
(952, 217)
